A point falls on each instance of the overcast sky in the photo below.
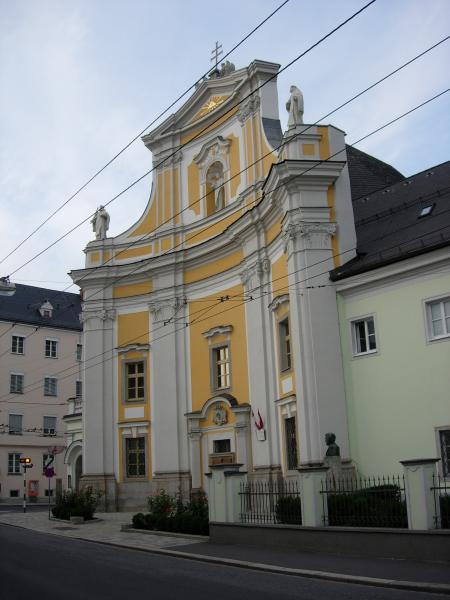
(79, 79)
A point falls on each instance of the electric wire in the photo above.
(105, 166)
(199, 134)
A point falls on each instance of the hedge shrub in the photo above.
(76, 503)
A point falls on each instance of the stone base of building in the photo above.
(265, 473)
(133, 495)
(106, 485)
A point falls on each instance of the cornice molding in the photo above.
(278, 301)
(219, 330)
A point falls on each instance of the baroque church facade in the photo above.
(211, 326)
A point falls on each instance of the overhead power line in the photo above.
(137, 136)
(199, 134)
(252, 298)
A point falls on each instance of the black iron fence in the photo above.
(270, 502)
(365, 502)
(441, 489)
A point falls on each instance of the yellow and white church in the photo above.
(211, 331)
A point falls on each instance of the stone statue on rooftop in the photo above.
(295, 107)
(100, 223)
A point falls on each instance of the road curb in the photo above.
(413, 586)
(435, 588)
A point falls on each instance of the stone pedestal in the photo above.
(224, 483)
(423, 512)
(314, 504)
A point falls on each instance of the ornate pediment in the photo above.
(209, 106)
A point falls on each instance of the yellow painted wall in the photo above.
(204, 233)
(194, 188)
(324, 144)
(280, 276)
(308, 149)
(148, 223)
(199, 348)
(334, 239)
(132, 289)
(176, 195)
(235, 165)
(134, 252)
(212, 268)
(167, 196)
(249, 150)
(186, 138)
(132, 328)
(273, 231)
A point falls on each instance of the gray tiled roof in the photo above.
(23, 307)
(388, 224)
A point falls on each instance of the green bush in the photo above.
(76, 503)
(289, 510)
(170, 514)
(376, 506)
(445, 511)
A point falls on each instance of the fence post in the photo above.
(223, 493)
(420, 501)
(314, 504)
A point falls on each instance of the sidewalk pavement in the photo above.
(401, 574)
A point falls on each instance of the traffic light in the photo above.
(26, 460)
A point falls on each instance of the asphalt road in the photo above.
(48, 567)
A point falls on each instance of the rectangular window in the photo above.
(51, 348)
(13, 493)
(49, 427)
(438, 317)
(79, 351)
(135, 456)
(363, 336)
(50, 386)
(79, 389)
(444, 440)
(17, 342)
(285, 344)
(48, 492)
(221, 446)
(15, 424)
(13, 464)
(291, 443)
(16, 383)
(135, 381)
(221, 367)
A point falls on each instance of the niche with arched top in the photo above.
(215, 192)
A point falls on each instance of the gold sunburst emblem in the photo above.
(209, 106)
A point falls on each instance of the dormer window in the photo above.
(46, 310)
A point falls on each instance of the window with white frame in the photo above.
(221, 367)
(79, 351)
(14, 463)
(135, 381)
(49, 427)
(16, 383)
(438, 318)
(50, 386)
(51, 348)
(135, 457)
(364, 339)
(444, 442)
(285, 344)
(290, 433)
(78, 389)
(15, 424)
(17, 344)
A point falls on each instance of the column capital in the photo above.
(315, 235)
(165, 309)
(252, 275)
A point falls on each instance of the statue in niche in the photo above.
(295, 107)
(214, 178)
(100, 223)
